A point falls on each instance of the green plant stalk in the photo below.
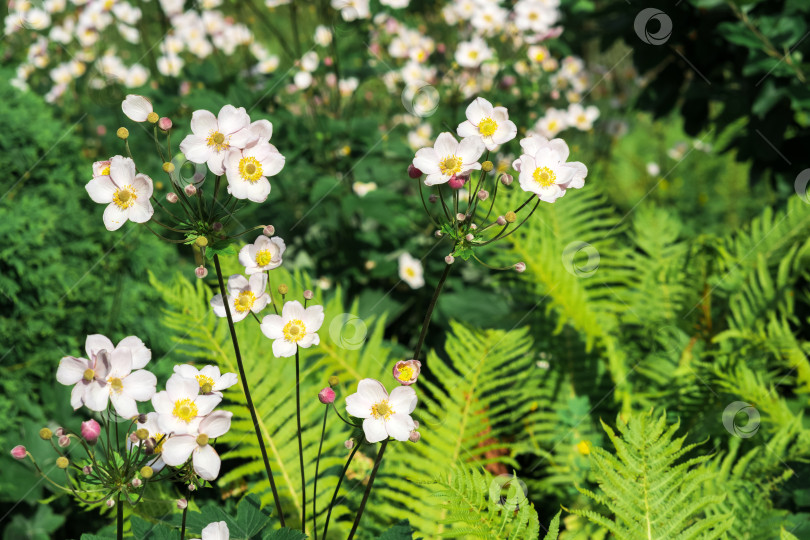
(337, 488)
(119, 519)
(418, 349)
(300, 442)
(315, 486)
(248, 399)
(183, 524)
(368, 488)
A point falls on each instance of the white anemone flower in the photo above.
(448, 157)
(216, 531)
(157, 439)
(582, 117)
(263, 254)
(295, 327)
(247, 170)
(490, 123)
(137, 108)
(470, 54)
(544, 171)
(96, 343)
(209, 378)
(204, 458)
(126, 192)
(213, 136)
(383, 415)
(244, 295)
(411, 271)
(181, 407)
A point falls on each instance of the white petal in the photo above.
(142, 186)
(101, 189)
(399, 426)
(283, 348)
(162, 403)
(259, 190)
(272, 326)
(140, 385)
(122, 170)
(262, 130)
(114, 217)
(141, 355)
(293, 310)
(202, 124)
(206, 462)
(358, 406)
(218, 306)
(375, 430)
(236, 283)
(427, 160)
(470, 149)
(177, 449)
(216, 531)
(77, 395)
(403, 399)
(313, 318)
(120, 362)
(309, 340)
(478, 110)
(231, 119)
(216, 424)
(96, 396)
(136, 108)
(226, 381)
(206, 403)
(71, 370)
(180, 388)
(372, 390)
(195, 149)
(445, 145)
(124, 405)
(466, 129)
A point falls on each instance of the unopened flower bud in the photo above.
(269, 230)
(90, 431)
(62, 462)
(45, 434)
(110, 503)
(190, 190)
(449, 259)
(59, 431)
(201, 272)
(122, 133)
(87, 469)
(501, 220)
(506, 179)
(182, 504)
(413, 172)
(137, 482)
(510, 217)
(326, 396)
(470, 237)
(64, 441)
(192, 487)
(438, 233)
(520, 267)
(18, 452)
(283, 289)
(414, 436)
(333, 380)
(416, 424)
(460, 217)
(433, 198)
(486, 166)
(152, 117)
(171, 197)
(168, 167)
(217, 226)
(483, 195)
(165, 123)
(142, 418)
(201, 241)
(309, 295)
(147, 472)
(349, 444)
(456, 182)
(473, 226)
(407, 371)
(142, 434)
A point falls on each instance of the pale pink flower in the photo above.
(448, 158)
(204, 458)
(295, 327)
(213, 136)
(384, 415)
(126, 193)
(181, 407)
(244, 296)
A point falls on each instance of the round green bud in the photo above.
(333, 380)
(152, 117)
(202, 439)
(510, 217)
(142, 434)
(201, 241)
(168, 167)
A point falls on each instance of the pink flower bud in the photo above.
(449, 259)
(18, 452)
(327, 61)
(413, 172)
(133, 438)
(269, 230)
(460, 217)
(309, 295)
(438, 233)
(64, 441)
(407, 371)
(349, 444)
(110, 503)
(90, 431)
(182, 504)
(470, 237)
(520, 267)
(217, 226)
(501, 220)
(483, 195)
(441, 47)
(433, 198)
(137, 482)
(456, 182)
(165, 123)
(414, 436)
(473, 226)
(59, 431)
(192, 487)
(326, 396)
(416, 424)
(87, 469)
(201, 272)
(190, 190)
(171, 197)
(506, 179)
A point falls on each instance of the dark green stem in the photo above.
(300, 443)
(368, 489)
(429, 313)
(248, 399)
(183, 524)
(119, 518)
(315, 486)
(337, 488)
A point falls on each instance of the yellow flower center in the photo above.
(552, 125)
(185, 410)
(244, 301)
(250, 169)
(294, 330)
(382, 410)
(450, 165)
(116, 385)
(410, 272)
(544, 176)
(473, 54)
(105, 171)
(206, 384)
(217, 141)
(405, 373)
(487, 127)
(533, 16)
(202, 439)
(581, 119)
(160, 438)
(89, 374)
(124, 197)
(264, 257)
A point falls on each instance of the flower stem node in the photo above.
(487, 166)
(449, 259)
(182, 504)
(349, 444)
(137, 482)
(413, 172)
(333, 380)
(308, 295)
(510, 217)
(62, 462)
(19, 452)
(201, 241)
(142, 434)
(283, 289)
(171, 197)
(45, 434)
(483, 195)
(507, 179)
(165, 123)
(520, 267)
(168, 167)
(64, 441)
(326, 396)
(122, 133)
(269, 230)
(501, 220)
(152, 117)
(201, 272)
(190, 190)
(147, 472)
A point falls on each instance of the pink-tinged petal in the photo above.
(506, 132)
(140, 385)
(309, 340)
(372, 390)
(231, 119)
(114, 217)
(241, 138)
(445, 145)
(258, 191)
(273, 326)
(206, 403)
(206, 462)
(102, 365)
(283, 348)
(216, 531)
(293, 310)
(245, 258)
(101, 189)
(136, 107)
(195, 149)
(273, 164)
(96, 396)
(399, 426)
(216, 424)
(375, 430)
(120, 362)
(177, 449)
(141, 355)
(403, 399)
(427, 160)
(181, 388)
(358, 406)
(216, 163)
(237, 282)
(478, 110)
(517, 165)
(436, 178)
(560, 149)
(162, 403)
(466, 129)
(187, 371)
(260, 303)
(71, 370)
(313, 318)
(226, 381)
(143, 186)
(124, 405)
(218, 306)
(470, 149)
(262, 130)
(77, 396)
(122, 170)
(203, 123)
(279, 243)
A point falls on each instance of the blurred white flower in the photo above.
(411, 271)
(490, 124)
(471, 54)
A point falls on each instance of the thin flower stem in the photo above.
(119, 518)
(368, 489)
(444, 205)
(300, 442)
(341, 416)
(183, 524)
(424, 205)
(315, 486)
(337, 488)
(429, 313)
(248, 399)
(270, 292)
